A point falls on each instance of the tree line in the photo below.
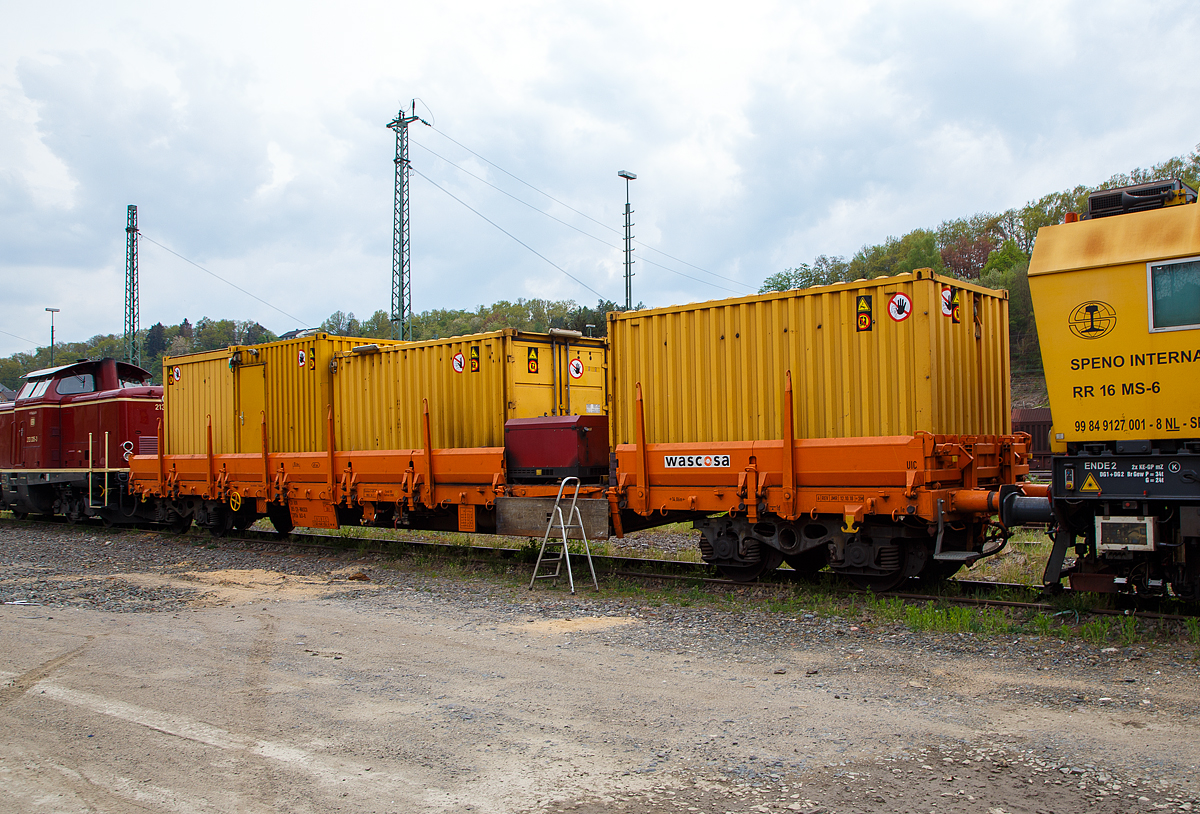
(161, 340)
(992, 249)
(989, 248)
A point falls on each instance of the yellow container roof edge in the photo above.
(202, 355)
(852, 285)
(1118, 240)
(512, 333)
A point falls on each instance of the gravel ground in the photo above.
(982, 706)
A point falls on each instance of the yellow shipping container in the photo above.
(473, 385)
(288, 381)
(889, 356)
(1118, 308)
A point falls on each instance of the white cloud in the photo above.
(252, 137)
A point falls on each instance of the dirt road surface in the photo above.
(138, 674)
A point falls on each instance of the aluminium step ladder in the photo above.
(572, 521)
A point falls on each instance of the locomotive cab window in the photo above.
(127, 381)
(1174, 290)
(79, 383)
(33, 390)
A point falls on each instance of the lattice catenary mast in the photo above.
(401, 315)
(133, 345)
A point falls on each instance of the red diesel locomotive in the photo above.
(66, 440)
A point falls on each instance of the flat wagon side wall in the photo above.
(715, 371)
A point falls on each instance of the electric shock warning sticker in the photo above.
(474, 358)
(531, 360)
(696, 461)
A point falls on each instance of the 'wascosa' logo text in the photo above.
(687, 461)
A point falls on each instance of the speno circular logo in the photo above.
(1092, 320)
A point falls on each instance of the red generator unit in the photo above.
(549, 448)
(65, 440)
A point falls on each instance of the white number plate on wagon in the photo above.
(695, 461)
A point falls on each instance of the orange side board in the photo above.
(855, 477)
(441, 478)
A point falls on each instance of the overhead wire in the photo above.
(444, 135)
(23, 339)
(144, 236)
(600, 240)
(510, 234)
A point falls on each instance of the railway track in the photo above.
(975, 593)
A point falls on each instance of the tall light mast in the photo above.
(133, 345)
(401, 315)
(628, 176)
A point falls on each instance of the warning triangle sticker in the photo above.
(1090, 485)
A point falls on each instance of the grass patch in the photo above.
(957, 619)
(1022, 561)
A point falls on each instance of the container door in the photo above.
(250, 386)
(533, 376)
(581, 380)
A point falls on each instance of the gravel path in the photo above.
(760, 711)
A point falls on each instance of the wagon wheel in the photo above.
(889, 580)
(879, 582)
(20, 515)
(806, 564)
(748, 572)
(281, 519)
(181, 524)
(936, 571)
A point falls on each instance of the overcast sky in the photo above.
(252, 137)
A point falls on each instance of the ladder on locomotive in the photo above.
(573, 521)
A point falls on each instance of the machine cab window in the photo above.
(1174, 289)
(75, 384)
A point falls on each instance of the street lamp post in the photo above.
(628, 176)
(52, 311)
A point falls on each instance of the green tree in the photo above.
(341, 324)
(823, 271)
(377, 326)
(156, 341)
(212, 334)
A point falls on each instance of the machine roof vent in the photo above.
(1138, 198)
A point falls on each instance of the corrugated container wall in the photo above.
(197, 386)
(287, 382)
(868, 358)
(473, 385)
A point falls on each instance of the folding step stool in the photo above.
(574, 521)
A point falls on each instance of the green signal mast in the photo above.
(401, 314)
(133, 344)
